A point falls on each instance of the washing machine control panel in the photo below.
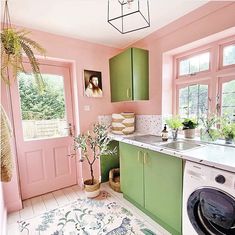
(220, 179)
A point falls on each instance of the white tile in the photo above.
(27, 211)
(13, 217)
(77, 190)
(13, 229)
(49, 201)
(70, 194)
(60, 198)
(38, 205)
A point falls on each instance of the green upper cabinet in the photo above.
(129, 75)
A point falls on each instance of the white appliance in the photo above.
(208, 201)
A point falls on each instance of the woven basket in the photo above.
(123, 123)
(114, 179)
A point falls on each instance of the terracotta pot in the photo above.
(92, 190)
(189, 133)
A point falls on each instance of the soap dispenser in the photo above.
(164, 133)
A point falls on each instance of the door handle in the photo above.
(145, 157)
(139, 152)
(70, 129)
(128, 93)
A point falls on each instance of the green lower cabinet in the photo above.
(131, 173)
(108, 162)
(163, 189)
(153, 182)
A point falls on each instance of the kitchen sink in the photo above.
(181, 145)
(147, 139)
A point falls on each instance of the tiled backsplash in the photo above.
(151, 124)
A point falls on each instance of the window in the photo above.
(228, 99)
(193, 101)
(194, 64)
(229, 55)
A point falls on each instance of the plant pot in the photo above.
(189, 133)
(92, 190)
(174, 134)
(228, 140)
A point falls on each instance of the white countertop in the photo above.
(222, 157)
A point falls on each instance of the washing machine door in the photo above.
(212, 212)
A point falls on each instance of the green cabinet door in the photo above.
(131, 173)
(163, 189)
(129, 75)
(120, 68)
(140, 64)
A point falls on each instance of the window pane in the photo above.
(193, 101)
(43, 114)
(228, 98)
(204, 61)
(229, 55)
(194, 65)
(203, 99)
(184, 67)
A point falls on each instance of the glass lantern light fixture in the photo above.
(128, 15)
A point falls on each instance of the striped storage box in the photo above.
(123, 123)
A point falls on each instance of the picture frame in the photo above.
(93, 84)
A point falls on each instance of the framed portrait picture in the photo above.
(93, 83)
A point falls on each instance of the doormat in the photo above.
(103, 215)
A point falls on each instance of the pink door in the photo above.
(43, 135)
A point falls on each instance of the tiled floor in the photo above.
(38, 205)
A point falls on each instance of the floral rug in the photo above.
(101, 216)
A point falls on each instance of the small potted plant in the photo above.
(227, 130)
(174, 123)
(209, 132)
(93, 145)
(189, 126)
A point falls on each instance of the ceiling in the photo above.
(87, 19)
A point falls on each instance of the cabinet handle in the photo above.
(145, 157)
(128, 91)
(139, 152)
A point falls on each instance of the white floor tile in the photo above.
(38, 205)
(60, 198)
(49, 201)
(27, 211)
(70, 194)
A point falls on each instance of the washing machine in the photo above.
(208, 201)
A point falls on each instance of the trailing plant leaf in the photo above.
(14, 44)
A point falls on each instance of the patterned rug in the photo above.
(100, 216)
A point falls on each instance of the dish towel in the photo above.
(6, 153)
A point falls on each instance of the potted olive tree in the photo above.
(189, 126)
(174, 123)
(93, 145)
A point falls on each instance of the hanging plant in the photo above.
(15, 44)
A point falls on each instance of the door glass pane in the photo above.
(229, 55)
(228, 99)
(43, 114)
